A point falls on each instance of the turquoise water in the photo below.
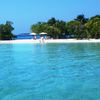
(50, 71)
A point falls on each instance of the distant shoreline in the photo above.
(25, 41)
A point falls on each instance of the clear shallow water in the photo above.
(50, 72)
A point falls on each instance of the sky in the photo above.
(24, 13)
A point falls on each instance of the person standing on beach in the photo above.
(42, 39)
(35, 37)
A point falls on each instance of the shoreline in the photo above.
(49, 41)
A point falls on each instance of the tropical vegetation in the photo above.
(6, 31)
(80, 27)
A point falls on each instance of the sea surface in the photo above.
(68, 71)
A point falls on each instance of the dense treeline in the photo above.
(80, 27)
(6, 31)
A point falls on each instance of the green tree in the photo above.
(61, 25)
(57, 27)
(51, 21)
(53, 31)
(96, 16)
(93, 27)
(81, 19)
(52, 27)
(39, 27)
(6, 31)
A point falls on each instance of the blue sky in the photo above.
(24, 13)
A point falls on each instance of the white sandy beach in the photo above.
(50, 41)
